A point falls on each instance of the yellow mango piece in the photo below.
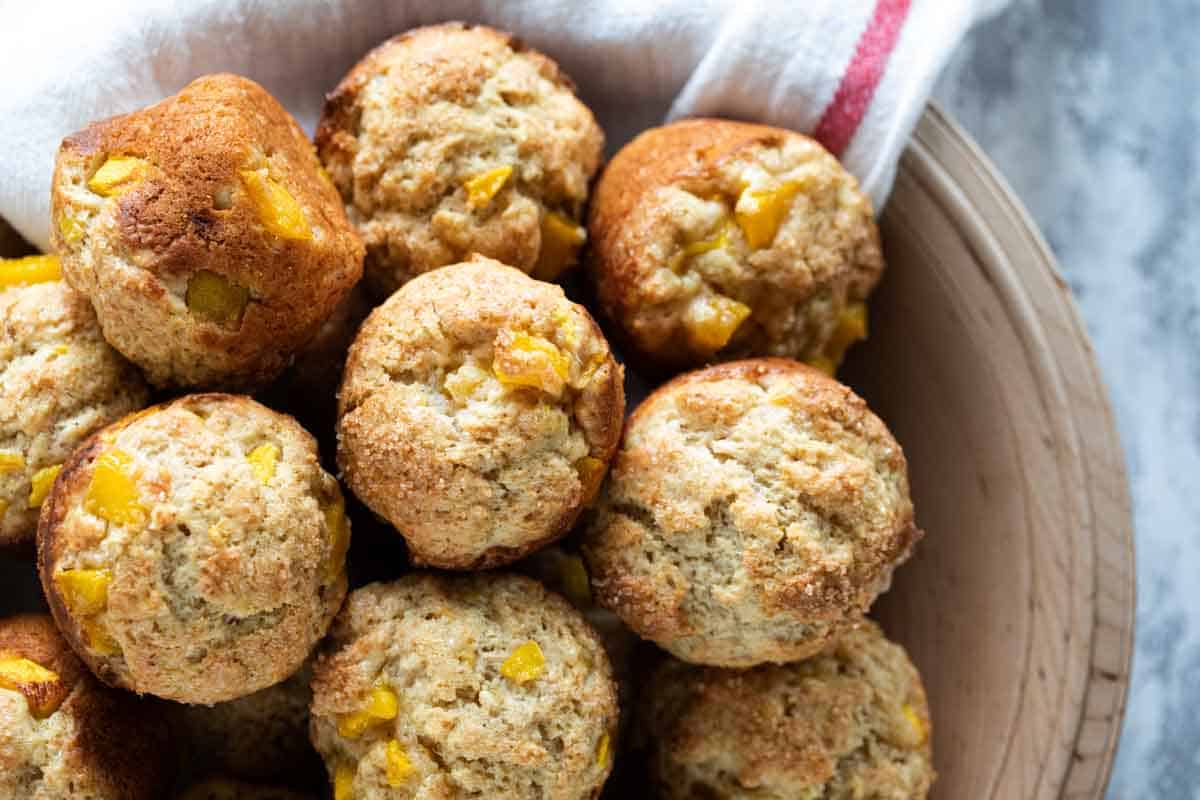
(338, 528)
(591, 475)
(354, 724)
(99, 639)
(85, 591)
(713, 319)
(520, 359)
(112, 493)
(41, 484)
(575, 583)
(851, 327)
(216, 298)
(484, 186)
(70, 228)
(464, 381)
(41, 687)
(117, 174)
(399, 767)
(603, 750)
(760, 211)
(11, 462)
(29, 270)
(382, 703)
(526, 663)
(561, 240)
(278, 211)
(343, 782)
(918, 724)
(263, 460)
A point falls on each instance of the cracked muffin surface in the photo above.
(478, 412)
(753, 510)
(437, 687)
(63, 736)
(454, 139)
(195, 550)
(849, 724)
(60, 381)
(713, 239)
(204, 234)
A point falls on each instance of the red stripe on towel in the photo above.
(849, 105)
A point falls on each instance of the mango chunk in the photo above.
(919, 724)
(484, 186)
(279, 212)
(98, 637)
(11, 462)
(41, 484)
(520, 359)
(70, 228)
(112, 493)
(712, 320)
(561, 240)
(399, 767)
(382, 705)
(603, 750)
(118, 174)
(338, 529)
(29, 270)
(761, 210)
(41, 687)
(463, 382)
(851, 327)
(215, 298)
(85, 591)
(526, 663)
(343, 782)
(591, 475)
(575, 583)
(263, 460)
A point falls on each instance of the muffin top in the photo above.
(59, 382)
(455, 139)
(850, 723)
(478, 411)
(195, 550)
(204, 234)
(62, 735)
(483, 686)
(714, 239)
(753, 508)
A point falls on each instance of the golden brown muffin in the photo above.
(456, 139)
(204, 234)
(261, 737)
(195, 550)
(753, 510)
(714, 239)
(438, 687)
(63, 736)
(59, 382)
(849, 724)
(479, 410)
(225, 789)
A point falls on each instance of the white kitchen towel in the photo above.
(854, 73)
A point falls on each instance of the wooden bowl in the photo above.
(1018, 606)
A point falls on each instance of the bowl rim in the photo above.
(1098, 621)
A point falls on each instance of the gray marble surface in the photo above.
(1089, 107)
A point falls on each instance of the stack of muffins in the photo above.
(196, 554)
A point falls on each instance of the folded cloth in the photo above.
(854, 73)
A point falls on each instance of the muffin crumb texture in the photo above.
(850, 723)
(449, 687)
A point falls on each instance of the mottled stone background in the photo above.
(1091, 108)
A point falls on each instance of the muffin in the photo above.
(479, 409)
(481, 686)
(457, 139)
(261, 737)
(195, 550)
(59, 382)
(224, 789)
(63, 736)
(204, 234)
(849, 724)
(754, 510)
(714, 239)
